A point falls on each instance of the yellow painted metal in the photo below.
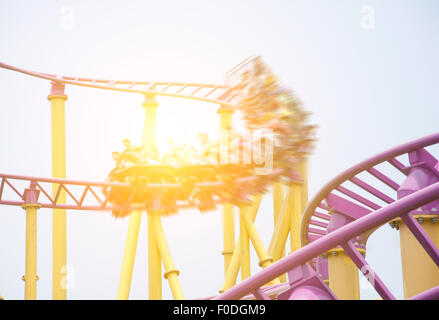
(59, 222)
(264, 259)
(419, 271)
(171, 273)
(227, 209)
(126, 273)
(228, 234)
(282, 228)
(149, 141)
(149, 138)
(30, 276)
(303, 169)
(225, 117)
(154, 263)
(233, 270)
(278, 199)
(296, 215)
(245, 244)
(343, 275)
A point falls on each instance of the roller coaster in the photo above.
(328, 234)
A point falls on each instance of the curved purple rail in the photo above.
(341, 236)
(316, 217)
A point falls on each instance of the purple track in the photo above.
(344, 212)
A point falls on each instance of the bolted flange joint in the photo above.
(264, 261)
(30, 197)
(168, 273)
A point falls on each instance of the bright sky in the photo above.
(368, 89)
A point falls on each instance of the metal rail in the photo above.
(319, 207)
(343, 236)
(213, 93)
(88, 191)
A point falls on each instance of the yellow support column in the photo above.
(227, 209)
(278, 199)
(235, 263)
(126, 273)
(149, 139)
(228, 234)
(244, 244)
(154, 263)
(296, 215)
(150, 143)
(343, 275)
(264, 259)
(171, 273)
(419, 271)
(303, 170)
(30, 278)
(57, 100)
(282, 228)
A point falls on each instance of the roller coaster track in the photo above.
(365, 212)
(338, 193)
(364, 206)
(84, 195)
(218, 94)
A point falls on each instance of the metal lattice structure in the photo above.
(349, 223)
(334, 227)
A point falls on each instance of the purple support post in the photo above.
(421, 173)
(432, 294)
(331, 240)
(31, 194)
(261, 295)
(305, 284)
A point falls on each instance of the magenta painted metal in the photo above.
(350, 217)
(346, 207)
(90, 191)
(383, 178)
(306, 284)
(31, 194)
(321, 266)
(333, 239)
(420, 173)
(57, 89)
(366, 269)
(357, 197)
(213, 93)
(377, 193)
(432, 294)
(365, 167)
(261, 295)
